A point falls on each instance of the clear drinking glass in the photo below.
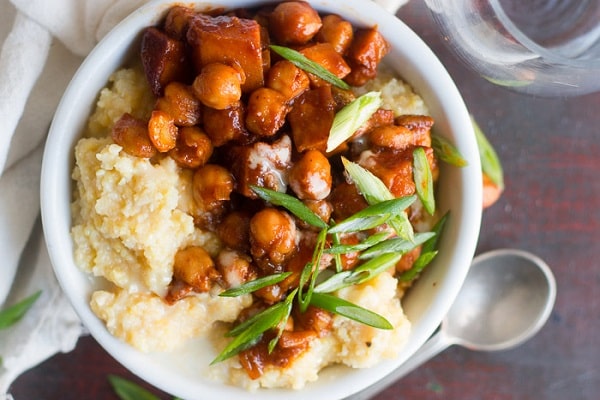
(540, 47)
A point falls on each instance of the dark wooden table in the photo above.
(550, 149)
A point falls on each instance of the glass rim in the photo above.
(534, 47)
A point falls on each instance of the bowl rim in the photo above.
(66, 128)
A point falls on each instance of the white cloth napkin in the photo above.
(43, 43)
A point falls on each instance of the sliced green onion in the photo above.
(13, 314)
(374, 191)
(288, 302)
(290, 203)
(351, 248)
(373, 215)
(423, 180)
(509, 82)
(249, 332)
(432, 243)
(300, 61)
(349, 310)
(420, 263)
(127, 390)
(336, 256)
(360, 224)
(255, 285)
(361, 274)
(310, 272)
(428, 251)
(445, 151)
(396, 245)
(371, 187)
(352, 117)
(490, 162)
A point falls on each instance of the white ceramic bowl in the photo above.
(459, 191)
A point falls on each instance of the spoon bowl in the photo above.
(505, 299)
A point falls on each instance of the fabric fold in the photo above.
(22, 59)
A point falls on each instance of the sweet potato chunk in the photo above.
(311, 119)
(411, 130)
(395, 168)
(346, 201)
(325, 54)
(380, 118)
(177, 21)
(413, 122)
(366, 51)
(132, 134)
(164, 59)
(228, 40)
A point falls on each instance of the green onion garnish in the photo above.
(423, 179)
(13, 314)
(300, 61)
(490, 162)
(445, 151)
(352, 117)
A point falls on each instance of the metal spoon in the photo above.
(506, 298)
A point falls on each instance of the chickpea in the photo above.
(235, 268)
(266, 111)
(272, 237)
(211, 184)
(322, 208)
(223, 126)
(294, 22)
(194, 266)
(270, 294)
(132, 135)
(162, 131)
(178, 290)
(310, 176)
(337, 32)
(179, 101)
(287, 79)
(218, 86)
(193, 148)
(234, 230)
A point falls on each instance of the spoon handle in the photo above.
(433, 346)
